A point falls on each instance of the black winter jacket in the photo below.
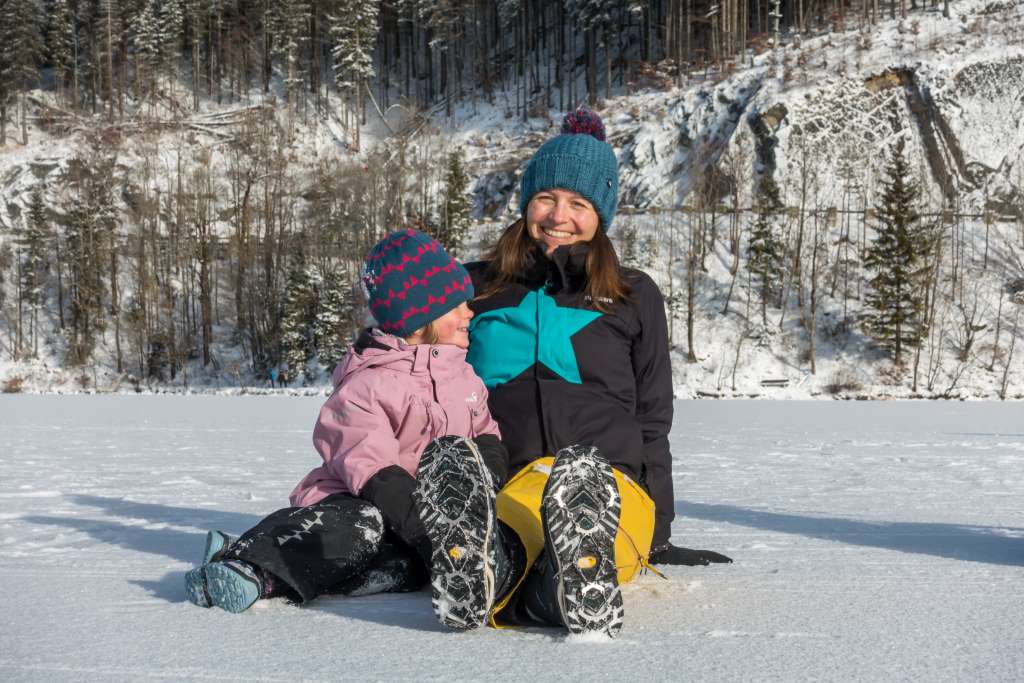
(560, 372)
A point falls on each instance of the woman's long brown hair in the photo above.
(605, 282)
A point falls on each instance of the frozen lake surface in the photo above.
(873, 541)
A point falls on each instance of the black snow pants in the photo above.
(338, 545)
(536, 601)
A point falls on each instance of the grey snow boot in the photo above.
(580, 512)
(232, 585)
(455, 501)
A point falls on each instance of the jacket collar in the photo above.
(375, 348)
(565, 269)
(369, 338)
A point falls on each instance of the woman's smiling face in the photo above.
(557, 217)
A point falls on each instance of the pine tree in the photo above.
(6, 259)
(171, 20)
(288, 24)
(895, 313)
(91, 218)
(595, 18)
(299, 317)
(109, 26)
(86, 54)
(333, 319)
(765, 249)
(33, 245)
(148, 42)
(21, 50)
(457, 204)
(354, 28)
(62, 45)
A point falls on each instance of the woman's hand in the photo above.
(671, 554)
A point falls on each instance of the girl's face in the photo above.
(450, 328)
(557, 217)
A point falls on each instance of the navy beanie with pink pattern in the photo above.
(411, 280)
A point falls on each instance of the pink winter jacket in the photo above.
(390, 400)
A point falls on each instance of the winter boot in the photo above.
(455, 501)
(216, 543)
(232, 585)
(580, 512)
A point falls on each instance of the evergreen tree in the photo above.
(599, 27)
(91, 219)
(109, 27)
(765, 249)
(62, 44)
(86, 60)
(148, 42)
(33, 245)
(333, 319)
(895, 315)
(171, 20)
(353, 30)
(288, 24)
(6, 259)
(21, 50)
(298, 321)
(455, 219)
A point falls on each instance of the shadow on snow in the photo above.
(136, 532)
(971, 543)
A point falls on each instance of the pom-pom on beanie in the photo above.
(411, 280)
(579, 160)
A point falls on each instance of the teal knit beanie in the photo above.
(579, 160)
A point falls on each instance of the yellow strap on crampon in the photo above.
(518, 506)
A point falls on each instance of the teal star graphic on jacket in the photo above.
(504, 342)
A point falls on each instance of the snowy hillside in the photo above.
(872, 542)
(819, 116)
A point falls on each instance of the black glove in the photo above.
(390, 490)
(495, 456)
(671, 554)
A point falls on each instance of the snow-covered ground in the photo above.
(873, 541)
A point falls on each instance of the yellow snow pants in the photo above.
(518, 506)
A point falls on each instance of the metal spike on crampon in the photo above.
(455, 501)
(580, 510)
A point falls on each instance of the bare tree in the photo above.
(971, 311)
(694, 249)
(1009, 355)
(736, 165)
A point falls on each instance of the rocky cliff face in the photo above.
(953, 90)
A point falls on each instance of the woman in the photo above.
(572, 347)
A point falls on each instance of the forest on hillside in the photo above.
(117, 56)
(195, 227)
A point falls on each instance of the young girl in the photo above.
(411, 463)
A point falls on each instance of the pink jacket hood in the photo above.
(395, 352)
(390, 400)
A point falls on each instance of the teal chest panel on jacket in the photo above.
(506, 341)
